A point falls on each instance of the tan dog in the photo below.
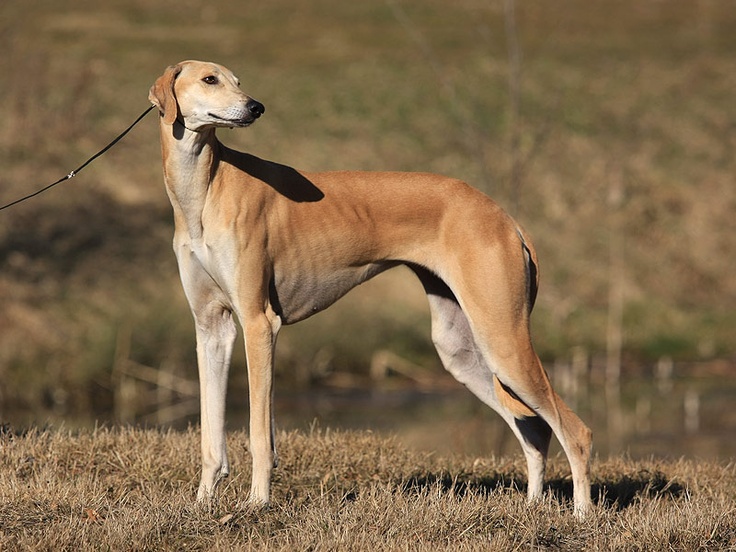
(272, 246)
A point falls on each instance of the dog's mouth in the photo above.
(244, 116)
(239, 122)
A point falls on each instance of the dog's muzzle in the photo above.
(241, 116)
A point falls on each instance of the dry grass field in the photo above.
(616, 154)
(133, 489)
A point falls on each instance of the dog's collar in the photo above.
(180, 120)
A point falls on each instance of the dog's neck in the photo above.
(188, 158)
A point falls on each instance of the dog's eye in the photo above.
(211, 79)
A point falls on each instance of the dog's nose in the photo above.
(255, 108)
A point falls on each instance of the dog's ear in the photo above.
(162, 94)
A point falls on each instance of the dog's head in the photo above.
(203, 95)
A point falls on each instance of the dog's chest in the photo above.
(217, 261)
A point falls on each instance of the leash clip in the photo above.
(71, 175)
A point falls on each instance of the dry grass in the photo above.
(132, 489)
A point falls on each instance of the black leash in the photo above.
(77, 171)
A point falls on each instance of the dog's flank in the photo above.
(271, 245)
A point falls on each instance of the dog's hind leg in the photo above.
(495, 303)
(455, 344)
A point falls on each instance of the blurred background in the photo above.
(606, 128)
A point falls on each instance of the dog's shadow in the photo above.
(285, 180)
(616, 493)
(621, 491)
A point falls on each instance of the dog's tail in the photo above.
(532, 267)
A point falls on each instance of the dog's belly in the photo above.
(295, 298)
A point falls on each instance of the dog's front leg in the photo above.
(260, 332)
(216, 332)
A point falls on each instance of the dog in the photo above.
(270, 245)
